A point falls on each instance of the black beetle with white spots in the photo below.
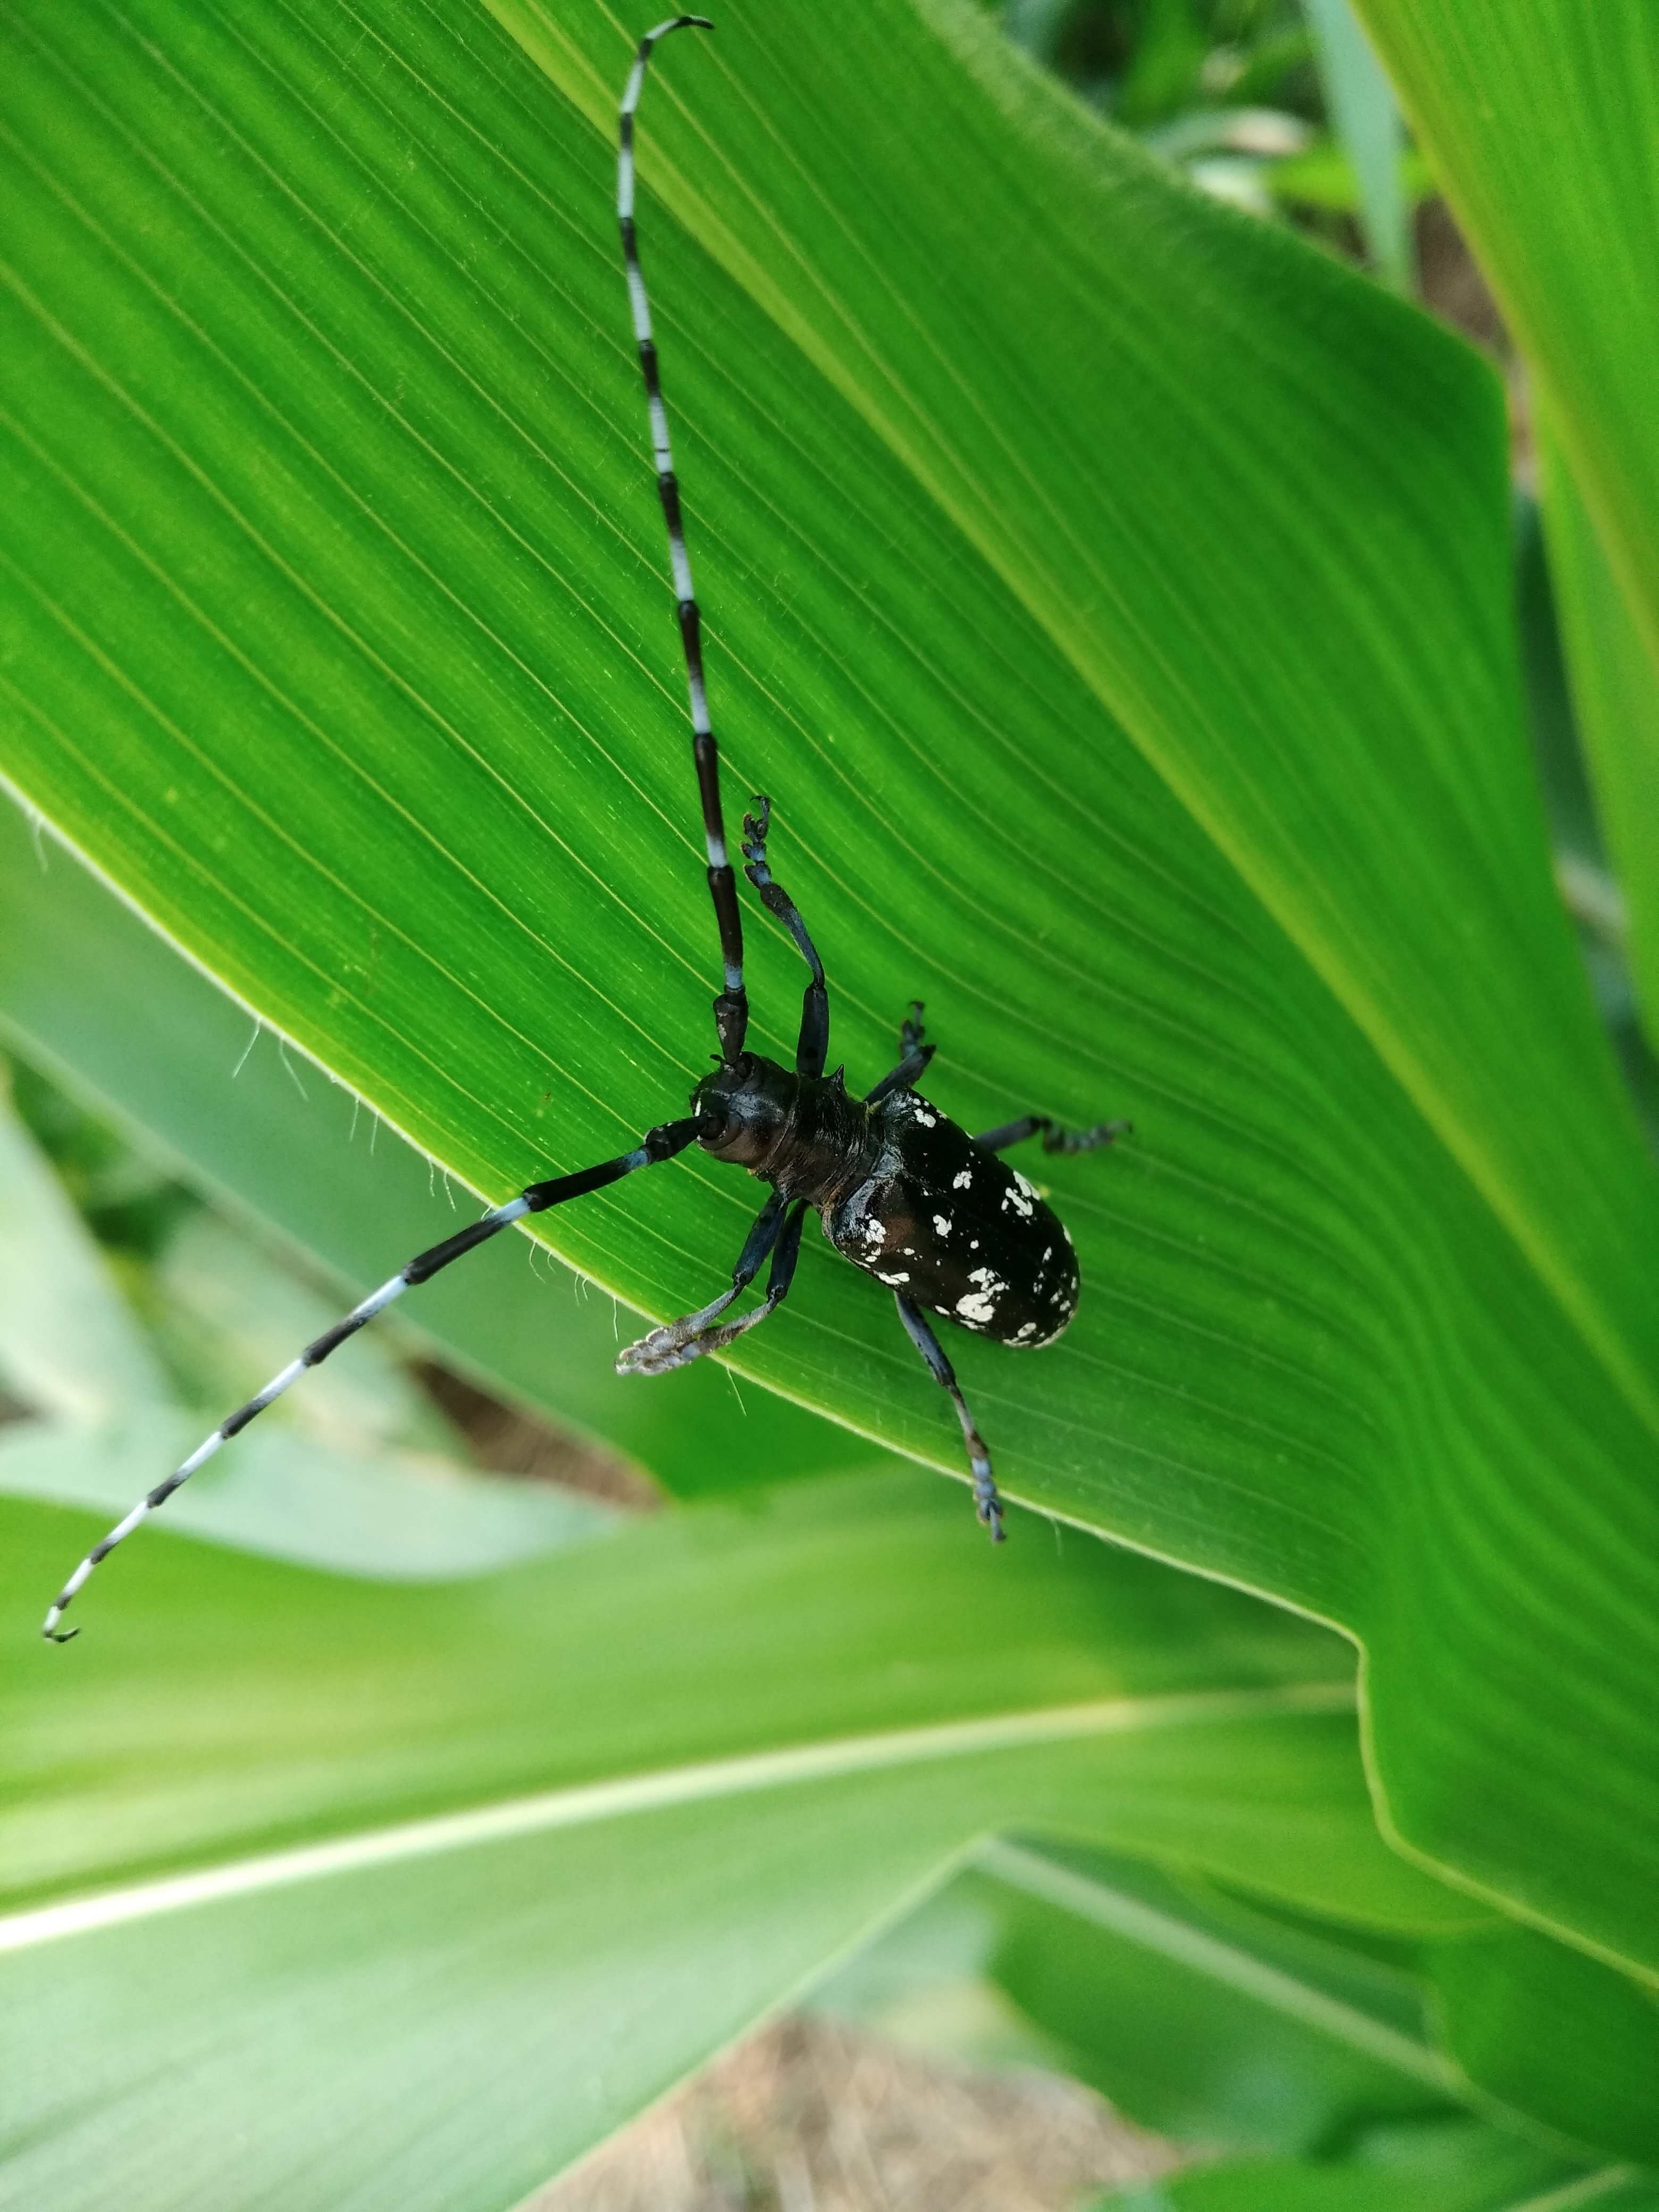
(903, 1191)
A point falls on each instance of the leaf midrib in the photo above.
(583, 1804)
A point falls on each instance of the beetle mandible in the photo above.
(903, 1191)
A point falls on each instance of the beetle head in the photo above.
(743, 1109)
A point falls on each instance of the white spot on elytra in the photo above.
(975, 1307)
(1026, 1328)
(902, 1276)
(924, 1120)
(1017, 1199)
(963, 1179)
(942, 1222)
(1029, 1188)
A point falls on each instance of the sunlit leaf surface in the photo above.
(1116, 599)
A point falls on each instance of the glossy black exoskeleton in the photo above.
(903, 1191)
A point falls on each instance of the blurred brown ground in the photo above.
(810, 2115)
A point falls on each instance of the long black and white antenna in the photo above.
(663, 1143)
(1015, 1297)
(311, 1357)
(731, 1006)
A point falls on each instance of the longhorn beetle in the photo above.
(901, 1191)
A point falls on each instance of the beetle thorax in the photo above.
(802, 1133)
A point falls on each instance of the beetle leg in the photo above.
(1054, 1139)
(651, 1351)
(987, 1504)
(813, 1046)
(916, 1055)
(681, 1342)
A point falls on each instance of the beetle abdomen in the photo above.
(958, 1231)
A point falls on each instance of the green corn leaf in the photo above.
(1203, 2019)
(1499, 1995)
(1115, 597)
(361, 1475)
(1219, 2018)
(1616, 691)
(1458, 2166)
(98, 999)
(1541, 120)
(426, 1889)
(69, 1346)
(309, 1875)
(1362, 103)
(1214, 2020)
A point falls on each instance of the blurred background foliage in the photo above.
(1298, 2057)
(1276, 108)
(1282, 108)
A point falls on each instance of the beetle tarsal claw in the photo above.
(756, 825)
(674, 1342)
(660, 1353)
(645, 1356)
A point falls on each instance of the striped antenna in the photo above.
(665, 1142)
(731, 1006)
(313, 1355)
